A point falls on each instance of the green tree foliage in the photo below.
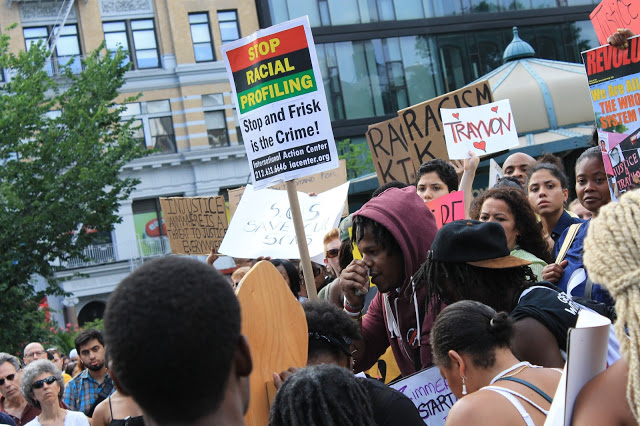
(59, 173)
(358, 157)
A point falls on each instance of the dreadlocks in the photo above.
(450, 282)
(380, 234)
(325, 395)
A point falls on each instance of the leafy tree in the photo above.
(59, 173)
(358, 157)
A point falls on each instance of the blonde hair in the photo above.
(239, 273)
(612, 257)
(333, 234)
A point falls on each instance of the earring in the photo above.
(464, 386)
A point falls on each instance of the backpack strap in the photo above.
(529, 385)
(571, 234)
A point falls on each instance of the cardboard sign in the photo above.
(483, 129)
(495, 173)
(275, 326)
(400, 145)
(430, 394)
(586, 357)
(448, 208)
(262, 224)
(317, 183)
(614, 83)
(194, 224)
(280, 99)
(610, 15)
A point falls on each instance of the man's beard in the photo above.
(96, 367)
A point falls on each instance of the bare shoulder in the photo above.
(533, 342)
(101, 414)
(603, 399)
(481, 407)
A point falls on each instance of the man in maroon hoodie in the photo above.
(393, 232)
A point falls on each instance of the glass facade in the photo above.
(376, 77)
(324, 13)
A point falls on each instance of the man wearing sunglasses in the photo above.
(12, 401)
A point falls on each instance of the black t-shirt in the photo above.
(391, 407)
(554, 309)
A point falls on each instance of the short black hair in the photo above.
(330, 329)
(593, 152)
(178, 308)
(380, 234)
(555, 171)
(322, 395)
(88, 335)
(472, 328)
(391, 184)
(509, 182)
(292, 273)
(444, 170)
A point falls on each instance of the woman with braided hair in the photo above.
(325, 395)
(612, 255)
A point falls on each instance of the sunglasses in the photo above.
(332, 253)
(10, 378)
(40, 383)
(316, 271)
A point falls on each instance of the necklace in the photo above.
(515, 372)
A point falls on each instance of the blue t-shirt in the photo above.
(574, 279)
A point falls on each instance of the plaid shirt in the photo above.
(82, 391)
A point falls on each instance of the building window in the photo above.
(153, 124)
(201, 37)
(67, 47)
(216, 123)
(228, 22)
(137, 37)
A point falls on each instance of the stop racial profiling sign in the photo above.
(280, 99)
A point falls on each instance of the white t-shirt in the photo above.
(73, 418)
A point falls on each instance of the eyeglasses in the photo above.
(10, 378)
(332, 253)
(33, 354)
(40, 383)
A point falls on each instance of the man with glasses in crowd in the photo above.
(89, 388)
(33, 352)
(12, 401)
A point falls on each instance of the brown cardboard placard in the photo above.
(195, 224)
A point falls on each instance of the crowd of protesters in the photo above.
(488, 300)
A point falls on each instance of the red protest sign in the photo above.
(448, 208)
(610, 15)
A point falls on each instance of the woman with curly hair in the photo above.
(510, 208)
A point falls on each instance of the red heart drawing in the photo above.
(456, 115)
(494, 109)
(480, 145)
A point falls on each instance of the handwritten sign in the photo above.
(610, 15)
(495, 173)
(262, 224)
(400, 145)
(614, 85)
(430, 393)
(280, 99)
(448, 208)
(483, 129)
(194, 224)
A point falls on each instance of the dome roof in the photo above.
(544, 95)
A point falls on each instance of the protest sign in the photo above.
(194, 224)
(276, 328)
(483, 129)
(610, 15)
(262, 224)
(317, 183)
(495, 173)
(448, 208)
(280, 99)
(586, 357)
(430, 393)
(614, 83)
(400, 145)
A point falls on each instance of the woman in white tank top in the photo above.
(470, 344)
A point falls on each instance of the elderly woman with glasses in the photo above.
(42, 386)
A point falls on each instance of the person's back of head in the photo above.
(322, 395)
(612, 257)
(509, 182)
(169, 310)
(392, 184)
(331, 333)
